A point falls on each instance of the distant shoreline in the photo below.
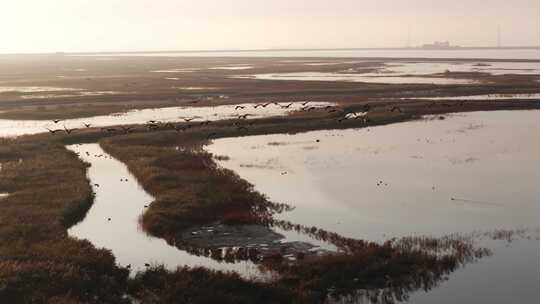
(453, 48)
(319, 49)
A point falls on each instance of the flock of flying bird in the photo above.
(153, 125)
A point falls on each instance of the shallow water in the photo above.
(77, 94)
(428, 68)
(470, 172)
(31, 89)
(195, 88)
(355, 77)
(182, 70)
(172, 114)
(483, 97)
(410, 72)
(123, 202)
(232, 68)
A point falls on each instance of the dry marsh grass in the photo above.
(38, 261)
(49, 192)
(191, 190)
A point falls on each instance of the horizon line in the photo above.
(451, 48)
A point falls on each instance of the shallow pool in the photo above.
(464, 174)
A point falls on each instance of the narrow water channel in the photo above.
(113, 220)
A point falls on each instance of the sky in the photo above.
(30, 26)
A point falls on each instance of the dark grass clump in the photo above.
(203, 286)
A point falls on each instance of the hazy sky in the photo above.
(119, 25)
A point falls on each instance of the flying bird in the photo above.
(286, 106)
(68, 131)
(54, 131)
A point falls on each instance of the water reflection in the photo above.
(409, 72)
(76, 94)
(412, 179)
(233, 68)
(483, 97)
(430, 68)
(354, 77)
(113, 220)
(34, 89)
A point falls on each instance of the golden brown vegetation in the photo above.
(48, 191)
(191, 190)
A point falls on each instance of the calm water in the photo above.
(470, 172)
(484, 97)
(350, 77)
(34, 89)
(123, 202)
(411, 53)
(410, 72)
(428, 68)
(172, 114)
